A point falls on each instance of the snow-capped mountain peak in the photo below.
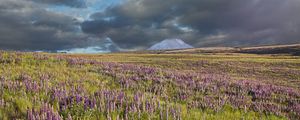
(169, 44)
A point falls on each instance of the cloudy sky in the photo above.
(137, 24)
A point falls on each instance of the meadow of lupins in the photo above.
(38, 86)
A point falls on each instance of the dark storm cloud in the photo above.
(140, 23)
(137, 24)
(26, 26)
(71, 3)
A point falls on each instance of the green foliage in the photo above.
(22, 105)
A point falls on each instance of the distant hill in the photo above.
(170, 44)
(292, 49)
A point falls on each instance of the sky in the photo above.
(113, 25)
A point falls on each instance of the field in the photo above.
(207, 86)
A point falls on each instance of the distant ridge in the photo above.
(170, 44)
(291, 49)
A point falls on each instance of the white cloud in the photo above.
(94, 45)
(92, 50)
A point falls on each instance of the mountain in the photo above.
(170, 44)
